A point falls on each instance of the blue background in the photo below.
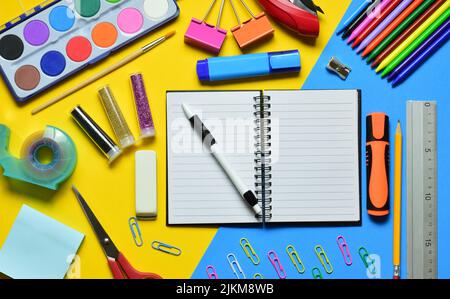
(429, 82)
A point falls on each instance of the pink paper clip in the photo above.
(343, 246)
(204, 35)
(211, 271)
(275, 261)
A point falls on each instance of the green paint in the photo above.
(402, 27)
(113, 1)
(87, 8)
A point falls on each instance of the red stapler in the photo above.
(297, 15)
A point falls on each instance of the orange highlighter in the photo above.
(377, 163)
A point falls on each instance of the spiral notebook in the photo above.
(299, 149)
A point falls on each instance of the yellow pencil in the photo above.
(413, 36)
(397, 200)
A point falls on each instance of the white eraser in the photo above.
(146, 206)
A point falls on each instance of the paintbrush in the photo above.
(103, 73)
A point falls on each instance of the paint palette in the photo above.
(61, 37)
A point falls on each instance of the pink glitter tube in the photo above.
(144, 114)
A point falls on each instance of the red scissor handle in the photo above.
(122, 269)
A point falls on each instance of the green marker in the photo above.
(417, 42)
(396, 32)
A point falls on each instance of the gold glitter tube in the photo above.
(115, 116)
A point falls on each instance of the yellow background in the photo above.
(110, 190)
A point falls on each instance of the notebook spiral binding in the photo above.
(263, 169)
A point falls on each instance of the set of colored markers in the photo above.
(397, 36)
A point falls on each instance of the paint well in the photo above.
(113, 1)
(27, 77)
(156, 9)
(11, 47)
(87, 8)
(130, 20)
(104, 35)
(53, 63)
(36, 33)
(79, 49)
(61, 18)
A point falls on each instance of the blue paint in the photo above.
(430, 82)
(53, 63)
(61, 18)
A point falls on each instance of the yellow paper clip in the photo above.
(316, 273)
(295, 258)
(323, 258)
(211, 271)
(249, 251)
(170, 249)
(135, 231)
(343, 246)
(369, 263)
(235, 266)
(258, 276)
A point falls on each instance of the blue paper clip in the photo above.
(323, 258)
(258, 276)
(295, 258)
(249, 251)
(316, 273)
(369, 263)
(235, 264)
(170, 249)
(343, 246)
(275, 261)
(135, 231)
(211, 271)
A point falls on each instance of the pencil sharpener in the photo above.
(337, 67)
(203, 35)
(253, 30)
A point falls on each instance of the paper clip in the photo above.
(316, 273)
(275, 261)
(323, 258)
(249, 251)
(157, 245)
(232, 260)
(204, 35)
(343, 246)
(258, 276)
(211, 271)
(253, 30)
(295, 258)
(369, 263)
(135, 231)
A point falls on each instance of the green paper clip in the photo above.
(136, 231)
(249, 251)
(316, 273)
(170, 249)
(258, 276)
(295, 258)
(369, 263)
(323, 258)
(30, 167)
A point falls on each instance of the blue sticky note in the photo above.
(38, 247)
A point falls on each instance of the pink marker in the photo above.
(372, 16)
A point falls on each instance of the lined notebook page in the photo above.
(199, 192)
(315, 156)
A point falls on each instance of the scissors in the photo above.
(119, 265)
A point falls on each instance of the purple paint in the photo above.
(144, 114)
(36, 33)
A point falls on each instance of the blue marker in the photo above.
(249, 65)
(354, 15)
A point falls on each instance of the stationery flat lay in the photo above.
(224, 139)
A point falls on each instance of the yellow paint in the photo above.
(110, 190)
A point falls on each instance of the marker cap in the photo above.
(203, 70)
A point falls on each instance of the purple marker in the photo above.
(389, 19)
(144, 114)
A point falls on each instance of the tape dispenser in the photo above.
(34, 166)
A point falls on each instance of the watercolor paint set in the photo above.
(61, 37)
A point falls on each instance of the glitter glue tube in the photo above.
(115, 116)
(96, 134)
(144, 114)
